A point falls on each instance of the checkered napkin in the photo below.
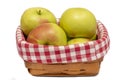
(47, 54)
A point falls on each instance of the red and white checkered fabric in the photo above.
(48, 54)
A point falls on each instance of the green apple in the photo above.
(78, 22)
(78, 40)
(33, 17)
(48, 34)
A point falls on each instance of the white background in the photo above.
(12, 66)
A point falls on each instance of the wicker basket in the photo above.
(64, 69)
(77, 62)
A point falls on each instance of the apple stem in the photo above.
(39, 12)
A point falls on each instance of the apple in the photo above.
(48, 34)
(78, 40)
(78, 22)
(32, 17)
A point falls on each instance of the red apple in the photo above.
(48, 34)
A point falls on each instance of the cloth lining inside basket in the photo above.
(86, 52)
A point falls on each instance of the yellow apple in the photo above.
(32, 17)
(78, 40)
(78, 22)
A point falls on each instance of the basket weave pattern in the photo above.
(64, 69)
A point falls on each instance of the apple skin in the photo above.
(78, 22)
(78, 41)
(32, 17)
(48, 34)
